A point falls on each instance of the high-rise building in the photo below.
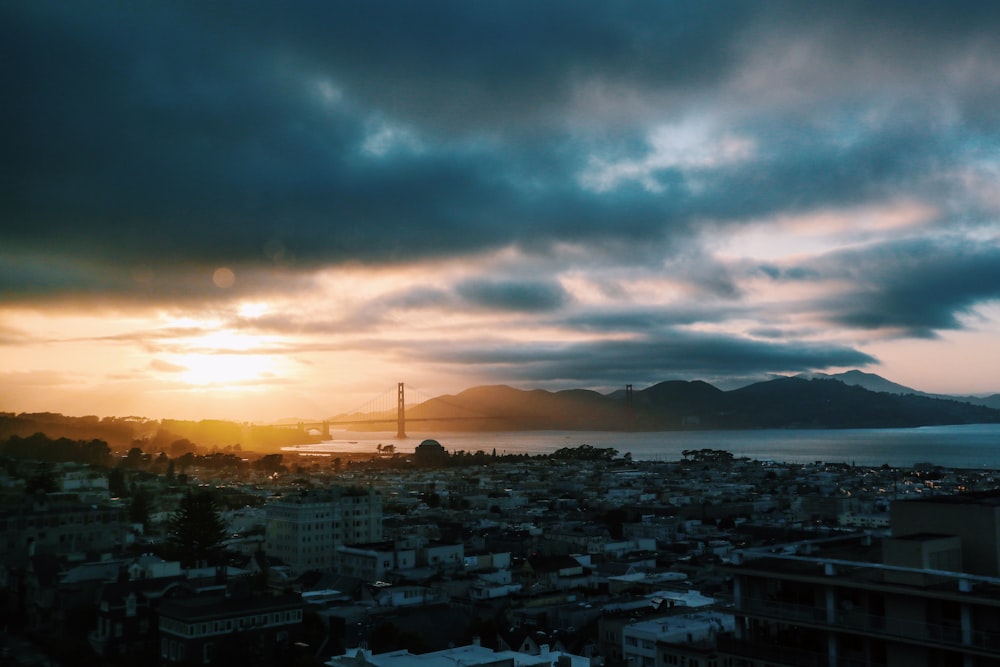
(304, 530)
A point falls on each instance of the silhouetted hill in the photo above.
(799, 403)
(170, 435)
(869, 381)
(792, 402)
(502, 408)
(874, 382)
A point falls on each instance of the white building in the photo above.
(305, 530)
(640, 639)
(372, 562)
(472, 655)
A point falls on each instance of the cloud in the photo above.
(676, 355)
(587, 170)
(514, 295)
(166, 366)
(208, 134)
(915, 286)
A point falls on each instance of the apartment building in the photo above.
(927, 596)
(304, 530)
(60, 524)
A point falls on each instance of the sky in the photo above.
(257, 210)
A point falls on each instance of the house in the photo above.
(127, 618)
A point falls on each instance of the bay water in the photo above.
(975, 446)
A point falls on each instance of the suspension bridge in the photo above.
(390, 407)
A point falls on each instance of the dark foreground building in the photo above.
(927, 596)
(230, 628)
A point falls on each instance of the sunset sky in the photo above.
(255, 210)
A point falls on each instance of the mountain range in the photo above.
(847, 400)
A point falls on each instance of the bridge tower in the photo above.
(629, 409)
(400, 412)
(325, 432)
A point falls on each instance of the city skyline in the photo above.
(254, 211)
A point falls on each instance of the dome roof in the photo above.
(430, 443)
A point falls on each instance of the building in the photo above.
(472, 655)
(928, 595)
(127, 619)
(230, 627)
(303, 531)
(430, 453)
(643, 640)
(60, 524)
(372, 562)
(973, 517)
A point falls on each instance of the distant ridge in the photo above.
(847, 400)
(874, 382)
(869, 381)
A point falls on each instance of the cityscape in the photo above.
(561, 333)
(580, 556)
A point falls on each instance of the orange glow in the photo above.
(203, 370)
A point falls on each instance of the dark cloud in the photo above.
(167, 132)
(789, 273)
(916, 286)
(679, 355)
(514, 295)
(86, 282)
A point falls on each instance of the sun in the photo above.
(225, 359)
(222, 369)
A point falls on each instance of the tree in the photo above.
(43, 480)
(139, 508)
(195, 532)
(269, 463)
(116, 482)
(134, 459)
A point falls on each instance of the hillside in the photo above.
(168, 435)
(838, 401)
(794, 402)
(874, 382)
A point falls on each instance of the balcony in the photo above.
(946, 635)
(783, 655)
(778, 655)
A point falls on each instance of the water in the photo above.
(968, 446)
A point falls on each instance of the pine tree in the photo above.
(196, 531)
(139, 508)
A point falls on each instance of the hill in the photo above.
(169, 435)
(790, 402)
(847, 400)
